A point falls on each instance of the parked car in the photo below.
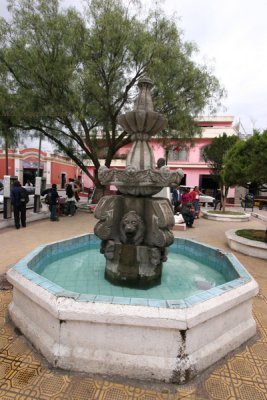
(2, 195)
(205, 200)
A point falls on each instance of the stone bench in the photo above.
(179, 227)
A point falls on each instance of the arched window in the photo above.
(180, 154)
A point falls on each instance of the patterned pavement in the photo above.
(25, 374)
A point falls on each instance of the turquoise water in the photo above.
(82, 271)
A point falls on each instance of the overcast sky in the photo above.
(232, 38)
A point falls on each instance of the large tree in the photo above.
(8, 109)
(75, 74)
(214, 154)
(246, 162)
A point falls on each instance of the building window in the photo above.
(178, 155)
(201, 158)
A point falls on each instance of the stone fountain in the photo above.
(135, 228)
(141, 334)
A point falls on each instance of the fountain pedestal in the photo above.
(135, 233)
(131, 266)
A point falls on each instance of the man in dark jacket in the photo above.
(53, 201)
(19, 199)
(188, 213)
(176, 198)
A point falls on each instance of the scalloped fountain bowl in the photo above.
(142, 121)
(156, 335)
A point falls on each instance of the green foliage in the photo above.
(183, 89)
(246, 162)
(226, 212)
(72, 74)
(214, 154)
(252, 234)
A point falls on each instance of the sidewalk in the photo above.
(32, 216)
(16, 243)
(24, 374)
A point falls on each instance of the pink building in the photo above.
(58, 169)
(188, 157)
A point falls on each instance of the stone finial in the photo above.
(143, 120)
(144, 99)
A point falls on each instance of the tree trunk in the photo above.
(100, 190)
(222, 198)
(39, 155)
(167, 156)
(98, 193)
(224, 192)
(6, 156)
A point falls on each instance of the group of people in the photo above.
(72, 191)
(20, 198)
(72, 196)
(186, 203)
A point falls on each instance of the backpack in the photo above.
(69, 191)
(24, 197)
(48, 198)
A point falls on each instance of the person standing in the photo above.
(52, 201)
(19, 199)
(70, 200)
(186, 197)
(195, 200)
(176, 198)
(77, 189)
(28, 183)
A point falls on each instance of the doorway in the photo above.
(29, 174)
(208, 184)
(63, 180)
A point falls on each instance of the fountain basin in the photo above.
(164, 340)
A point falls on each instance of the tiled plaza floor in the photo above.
(24, 374)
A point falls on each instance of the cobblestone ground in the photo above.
(24, 374)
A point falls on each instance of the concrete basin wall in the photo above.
(249, 247)
(171, 343)
(226, 217)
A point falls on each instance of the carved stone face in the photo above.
(131, 169)
(132, 228)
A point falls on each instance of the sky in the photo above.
(231, 36)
